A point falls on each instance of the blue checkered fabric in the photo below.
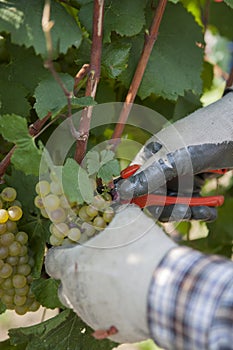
(190, 303)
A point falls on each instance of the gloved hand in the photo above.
(106, 281)
(200, 142)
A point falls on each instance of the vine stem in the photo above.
(150, 40)
(93, 78)
(34, 129)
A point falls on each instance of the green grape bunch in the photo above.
(15, 260)
(71, 223)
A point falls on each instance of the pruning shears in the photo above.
(162, 200)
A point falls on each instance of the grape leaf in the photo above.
(174, 52)
(117, 16)
(45, 291)
(2, 307)
(64, 331)
(76, 183)
(220, 16)
(6, 345)
(229, 3)
(50, 97)
(29, 63)
(115, 58)
(93, 162)
(23, 20)
(186, 105)
(38, 232)
(13, 97)
(103, 164)
(106, 156)
(57, 101)
(148, 345)
(220, 231)
(207, 75)
(27, 156)
(14, 128)
(109, 170)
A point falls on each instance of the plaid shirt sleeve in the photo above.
(190, 303)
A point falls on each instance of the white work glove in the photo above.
(177, 159)
(106, 281)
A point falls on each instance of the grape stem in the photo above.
(150, 39)
(93, 78)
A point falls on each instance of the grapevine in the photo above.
(16, 262)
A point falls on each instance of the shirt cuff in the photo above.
(187, 300)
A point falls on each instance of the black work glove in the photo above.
(179, 154)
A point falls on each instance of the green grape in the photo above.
(89, 230)
(23, 250)
(6, 270)
(44, 213)
(11, 226)
(67, 242)
(11, 291)
(43, 188)
(99, 223)
(1, 203)
(57, 216)
(24, 269)
(91, 211)
(51, 202)
(21, 237)
(29, 280)
(55, 241)
(2, 292)
(23, 259)
(3, 216)
(22, 291)
(3, 228)
(15, 248)
(108, 215)
(15, 213)
(64, 202)
(59, 230)
(1, 265)
(19, 281)
(20, 300)
(74, 234)
(8, 194)
(16, 202)
(55, 188)
(6, 239)
(99, 203)
(4, 252)
(7, 299)
(83, 214)
(21, 309)
(7, 283)
(38, 201)
(107, 197)
(34, 306)
(12, 260)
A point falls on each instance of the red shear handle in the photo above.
(153, 199)
(129, 171)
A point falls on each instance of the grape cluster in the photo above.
(71, 223)
(15, 260)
